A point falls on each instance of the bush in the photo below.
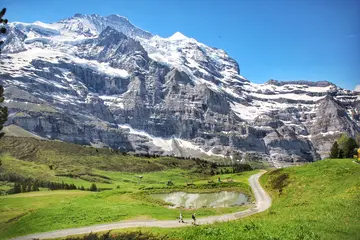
(346, 147)
(334, 152)
(93, 187)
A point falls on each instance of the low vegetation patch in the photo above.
(138, 235)
(277, 180)
(54, 168)
(318, 201)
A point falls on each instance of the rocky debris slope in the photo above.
(102, 81)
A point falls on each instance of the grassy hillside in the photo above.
(320, 200)
(130, 197)
(60, 161)
(26, 213)
(68, 157)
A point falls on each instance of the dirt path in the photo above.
(263, 202)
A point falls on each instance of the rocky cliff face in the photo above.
(100, 80)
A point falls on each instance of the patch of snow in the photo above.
(250, 112)
(102, 67)
(165, 144)
(357, 88)
(292, 96)
(168, 144)
(178, 36)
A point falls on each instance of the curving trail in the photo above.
(263, 202)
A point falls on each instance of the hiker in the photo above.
(194, 218)
(181, 219)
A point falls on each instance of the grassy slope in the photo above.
(68, 157)
(318, 201)
(29, 157)
(22, 214)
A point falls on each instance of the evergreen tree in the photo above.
(342, 141)
(23, 187)
(17, 188)
(93, 187)
(349, 147)
(358, 140)
(82, 188)
(35, 187)
(28, 188)
(346, 146)
(334, 152)
(3, 110)
(3, 22)
(341, 153)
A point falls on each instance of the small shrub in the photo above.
(93, 187)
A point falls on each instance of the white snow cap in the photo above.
(178, 36)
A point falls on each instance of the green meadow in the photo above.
(319, 200)
(131, 179)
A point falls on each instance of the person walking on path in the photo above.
(194, 218)
(181, 219)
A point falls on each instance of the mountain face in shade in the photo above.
(100, 80)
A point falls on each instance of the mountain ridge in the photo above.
(84, 78)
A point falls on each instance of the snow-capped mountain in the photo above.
(101, 80)
(357, 88)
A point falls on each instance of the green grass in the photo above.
(22, 214)
(320, 200)
(68, 157)
(50, 210)
(56, 161)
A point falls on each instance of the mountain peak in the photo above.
(78, 15)
(178, 36)
(82, 24)
(113, 34)
(117, 17)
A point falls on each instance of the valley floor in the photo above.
(315, 201)
(319, 200)
(263, 202)
(131, 179)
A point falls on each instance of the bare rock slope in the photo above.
(100, 80)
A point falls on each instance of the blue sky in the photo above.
(270, 39)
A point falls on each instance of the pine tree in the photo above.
(342, 141)
(334, 152)
(23, 187)
(341, 153)
(35, 187)
(3, 22)
(349, 147)
(93, 187)
(17, 188)
(3, 110)
(358, 139)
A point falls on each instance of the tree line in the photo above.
(345, 147)
(22, 185)
(3, 109)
